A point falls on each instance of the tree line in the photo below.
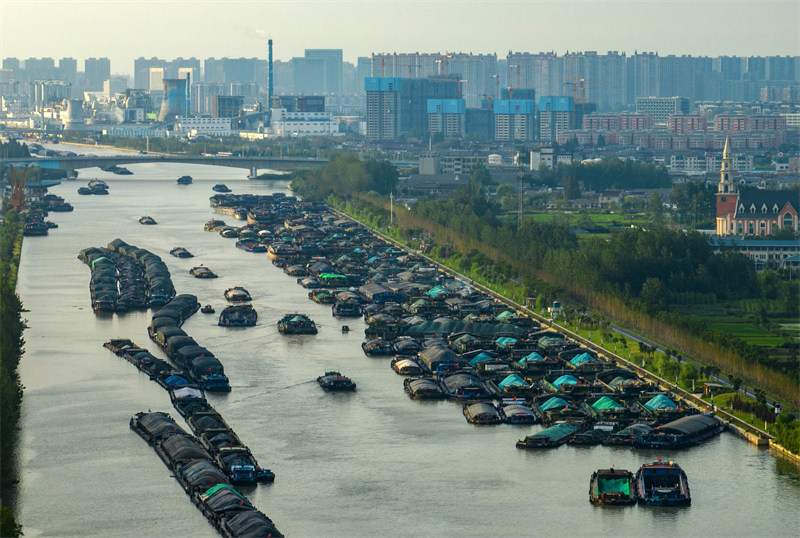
(11, 349)
(630, 278)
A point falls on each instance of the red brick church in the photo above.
(752, 211)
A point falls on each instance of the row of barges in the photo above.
(200, 364)
(209, 488)
(214, 434)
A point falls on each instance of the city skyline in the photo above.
(60, 29)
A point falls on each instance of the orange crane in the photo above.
(18, 194)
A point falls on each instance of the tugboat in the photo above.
(147, 220)
(220, 187)
(242, 315)
(297, 324)
(185, 180)
(612, 487)
(237, 294)
(207, 309)
(35, 228)
(202, 272)
(662, 484)
(335, 381)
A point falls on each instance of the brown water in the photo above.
(371, 463)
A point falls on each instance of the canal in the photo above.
(366, 464)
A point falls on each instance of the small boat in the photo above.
(321, 296)
(406, 366)
(482, 413)
(50, 224)
(378, 347)
(250, 245)
(180, 252)
(662, 484)
(517, 411)
(207, 309)
(214, 225)
(185, 180)
(202, 272)
(552, 437)
(334, 381)
(422, 388)
(229, 233)
(84, 190)
(220, 187)
(296, 324)
(612, 487)
(147, 219)
(122, 171)
(243, 315)
(237, 294)
(346, 309)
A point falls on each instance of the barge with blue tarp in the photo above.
(662, 484)
(552, 437)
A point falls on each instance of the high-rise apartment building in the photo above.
(383, 107)
(447, 117)
(661, 108)
(514, 119)
(331, 68)
(141, 71)
(96, 71)
(68, 70)
(555, 116)
(157, 76)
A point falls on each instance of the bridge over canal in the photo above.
(254, 164)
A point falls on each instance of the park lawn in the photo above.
(749, 332)
(723, 401)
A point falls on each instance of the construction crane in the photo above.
(18, 193)
(575, 82)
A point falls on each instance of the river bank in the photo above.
(346, 464)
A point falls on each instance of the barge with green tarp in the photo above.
(612, 487)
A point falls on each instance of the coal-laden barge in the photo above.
(196, 362)
(227, 509)
(125, 278)
(216, 436)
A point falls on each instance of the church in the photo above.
(752, 211)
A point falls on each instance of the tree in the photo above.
(654, 295)
(655, 205)
(572, 190)
(601, 141)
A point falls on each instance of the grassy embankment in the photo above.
(11, 349)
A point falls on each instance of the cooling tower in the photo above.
(174, 100)
(73, 116)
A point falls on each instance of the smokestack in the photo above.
(188, 94)
(269, 75)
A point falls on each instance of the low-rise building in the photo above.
(285, 123)
(195, 126)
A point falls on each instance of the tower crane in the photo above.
(18, 193)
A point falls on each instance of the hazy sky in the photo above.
(123, 30)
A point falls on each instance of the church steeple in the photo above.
(726, 173)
